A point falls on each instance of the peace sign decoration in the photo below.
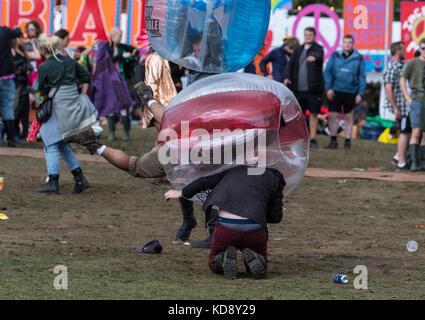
(318, 10)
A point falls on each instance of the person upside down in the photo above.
(246, 204)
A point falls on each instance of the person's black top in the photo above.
(316, 82)
(255, 197)
(21, 68)
(6, 58)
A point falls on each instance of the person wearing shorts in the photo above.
(345, 80)
(396, 102)
(304, 75)
(414, 73)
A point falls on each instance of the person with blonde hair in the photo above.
(72, 112)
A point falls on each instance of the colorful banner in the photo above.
(365, 21)
(88, 20)
(17, 13)
(281, 4)
(412, 20)
(136, 31)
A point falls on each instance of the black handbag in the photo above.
(44, 111)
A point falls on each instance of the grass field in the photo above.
(329, 226)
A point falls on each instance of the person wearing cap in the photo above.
(7, 83)
(278, 58)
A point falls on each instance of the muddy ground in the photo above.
(329, 226)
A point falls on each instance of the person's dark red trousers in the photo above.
(224, 237)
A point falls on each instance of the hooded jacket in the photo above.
(346, 74)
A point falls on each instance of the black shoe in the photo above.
(52, 186)
(332, 145)
(403, 168)
(206, 243)
(81, 182)
(255, 263)
(313, 144)
(217, 262)
(183, 233)
(347, 145)
(230, 268)
(11, 144)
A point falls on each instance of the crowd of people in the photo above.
(121, 83)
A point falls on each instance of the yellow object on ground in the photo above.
(386, 137)
(3, 216)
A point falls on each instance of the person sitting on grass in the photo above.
(246, 204)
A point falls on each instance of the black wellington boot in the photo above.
(10, 129)
(189, 221)
(81, 182)
(422, 157)
(414, 153)
(206, 243)
(52, 186)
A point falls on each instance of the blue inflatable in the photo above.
(214, 36)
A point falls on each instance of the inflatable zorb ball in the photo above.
(212, 36)
(233, 119)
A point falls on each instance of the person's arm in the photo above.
(264, 62)
(361, 81)
(403, 88)
(291, 66)
(328, 74)
(274, 210)
(42, 81)
(35, 53)
(390, 95)
(406, 75)
(202, 184)
(82, 74)
(199, 185)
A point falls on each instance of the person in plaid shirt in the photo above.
(396, 102)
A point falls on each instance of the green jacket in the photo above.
(50, 73)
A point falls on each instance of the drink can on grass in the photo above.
(339, 278)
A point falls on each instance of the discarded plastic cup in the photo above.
(340, 278)
(412, 246)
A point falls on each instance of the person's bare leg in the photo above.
(333, 123)
(314, 122)
(117, 158)
(348, 124)
(403, 143)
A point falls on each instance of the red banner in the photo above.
(412, 20)
(365, 21)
